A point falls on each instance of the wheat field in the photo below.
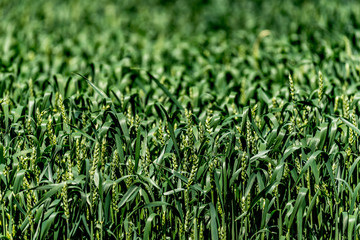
(160, 119)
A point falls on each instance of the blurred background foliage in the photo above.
(165, 36)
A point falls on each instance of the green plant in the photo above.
(185, 121)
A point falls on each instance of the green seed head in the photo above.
(321, 86)
(292, 88)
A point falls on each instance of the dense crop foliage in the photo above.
(179, 120)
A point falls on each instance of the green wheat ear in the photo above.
(321, 86)
(292, 88)
(78, 155)
(65, 201)
(243, 167)
(103, 153)
(62, 109)
(51, 135)
(130, 169)
(96, 160)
